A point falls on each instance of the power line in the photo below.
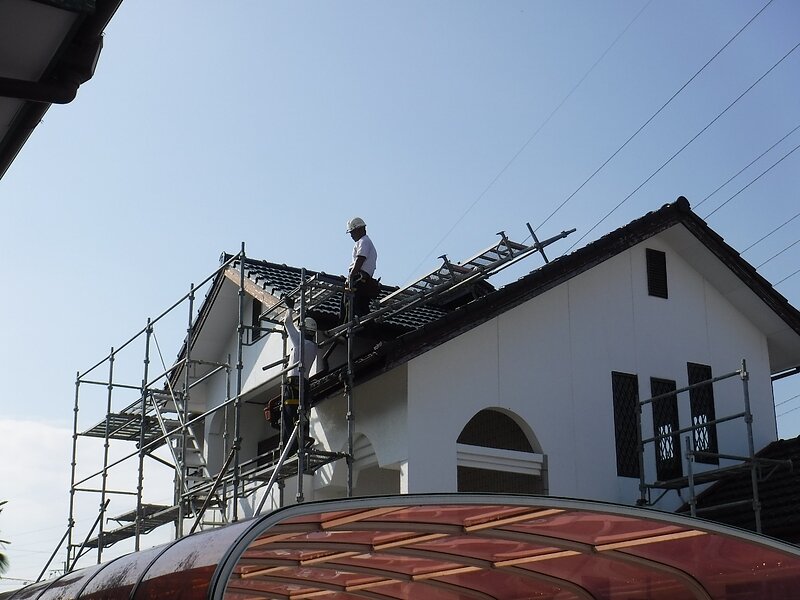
(778, 254)
(682, 148)
(746, 167)
(782, 402)
(530, 139)
(775, 164)
(782, 225)
(785, 278)
(791, 410)
(655, 114)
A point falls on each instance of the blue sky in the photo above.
(440, 123)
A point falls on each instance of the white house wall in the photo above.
(446, 387)
(254, 427)
(549, 361)
(380, 411)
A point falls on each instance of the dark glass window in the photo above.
(665, 422)
(656, 273)
(625, 391)
(472, 480)
(702, 403)
(493, 429)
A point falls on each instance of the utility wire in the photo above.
(791, 410)
(778, 254)
(682, 148)
(743, 169)
(655, 114)
(782, 402)
(775, 164)
(530, 139)
(785, 278)
(781, 226)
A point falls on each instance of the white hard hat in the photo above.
(311, 325)
(355, 223)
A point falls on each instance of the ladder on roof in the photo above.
(485, 263)
(450, 276)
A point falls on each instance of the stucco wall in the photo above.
(549, 361)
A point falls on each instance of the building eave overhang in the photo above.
(76, 33)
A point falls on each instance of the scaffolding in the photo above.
(696, 435)
(167, 426)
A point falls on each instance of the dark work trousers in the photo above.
(291, 408)
(365, 288)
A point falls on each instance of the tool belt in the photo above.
(364, 283)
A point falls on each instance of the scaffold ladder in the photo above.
(187, 454)
(482, 265)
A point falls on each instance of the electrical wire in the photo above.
(775, 164)
(778, 254)
(791, 410)
(682, 148)
(743, 169)
(778, 228)
(785, 278)
(654, 115)
(782, 402)
(530, 139)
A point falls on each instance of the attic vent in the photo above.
(656, 273)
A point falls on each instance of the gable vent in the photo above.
(656, 273)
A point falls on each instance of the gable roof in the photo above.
(678, 213)
(422, 328)
(692, 238)
(278, 281)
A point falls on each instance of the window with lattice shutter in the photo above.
(702, 403)
(665, 424)
(625, 392)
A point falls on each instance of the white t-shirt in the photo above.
(309, 348)
(364, 247)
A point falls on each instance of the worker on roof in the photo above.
(360, 277)
(286, 415)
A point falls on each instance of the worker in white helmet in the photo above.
(291, 390)
(360, 277)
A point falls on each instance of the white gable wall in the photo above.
(549, 361)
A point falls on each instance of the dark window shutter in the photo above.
(702, 403)
(656, 273)
(625, 391)
(665, 421)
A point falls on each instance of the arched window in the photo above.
(495, 455)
